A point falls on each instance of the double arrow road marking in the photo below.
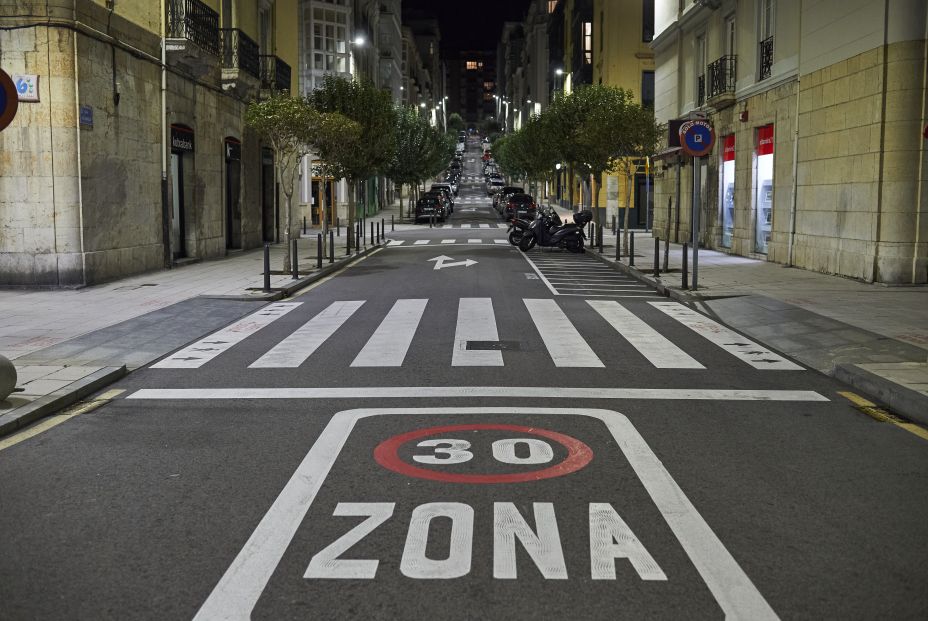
(443, 262)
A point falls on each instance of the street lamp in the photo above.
(558, 74)
(359, 40)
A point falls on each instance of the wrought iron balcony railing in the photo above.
(722, 76)
(275, 73)
(239, 51)
(700, 90)
(194, 21)
(766, 58)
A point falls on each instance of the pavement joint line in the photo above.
(883, 416)
(53, 421)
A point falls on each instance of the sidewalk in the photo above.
(68, 343)
(871, 336)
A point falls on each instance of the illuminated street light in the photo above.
(359, 40)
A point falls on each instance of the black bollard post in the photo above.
(383, 228)
(338, 227)
(613, 224)
(319, 251)
(392, 224)
(294, 260)
(372, 233)
(599, 238)
(631, 249)
(686, 272)
(267, 268)
(657, 252)
(347, 242)
(618, 248)
(304, 225)
(331, 246)
(431, 220)
(378, 233)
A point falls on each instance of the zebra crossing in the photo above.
(579, 275)
(439, 242)
(482, 225)
(476, 340)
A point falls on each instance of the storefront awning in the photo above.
(668, 153)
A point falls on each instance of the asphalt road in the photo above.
(452, 429)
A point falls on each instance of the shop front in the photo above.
(763, 185)
(727, 190)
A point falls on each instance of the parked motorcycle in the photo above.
(548, 231)
(517, 228)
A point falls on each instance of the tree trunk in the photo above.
(667, 234)
(323, 217)
(288, 227)
(352, 191)
(629, 179)
(400, 188)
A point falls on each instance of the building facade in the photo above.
(131, 154)
(471, 85)
(818, 110)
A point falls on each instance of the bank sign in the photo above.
(482, 513)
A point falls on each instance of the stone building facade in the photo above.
(135, 156)
(818, 110)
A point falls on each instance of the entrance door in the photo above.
(268, 216)
(178, 230)
(233, 204)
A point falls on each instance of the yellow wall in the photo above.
(143, 13)
(246, 19)
(286, 38)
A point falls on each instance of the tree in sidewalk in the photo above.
(287, 125)
(335, 139)
(640, 138)
(420, 151)
(372, 109)
(455, 123)
(538, 159)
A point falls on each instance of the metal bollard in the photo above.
(392, 225)
(372, 233)
(431, 220)
(331, 246)
(618, 248)
(631, 249)
(378, 233)
(304, 225)
(613, 225)
(599, 238)
(657, 252)
(383, 228)
(267, 268)
(338, 227)
(319, 251)
(294, 260)
(347, 242)
(686, 272)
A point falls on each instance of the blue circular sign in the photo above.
(9, 100)
(697, 138)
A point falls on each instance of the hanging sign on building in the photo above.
(9, 100)
(697, 137)
(27, 87)
(181, 138)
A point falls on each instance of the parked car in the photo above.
(520, 206)
(445, 189)
(509, 189)
(429, 206)
(494, 185)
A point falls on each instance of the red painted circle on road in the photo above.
(578, 456)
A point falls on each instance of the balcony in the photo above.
(766, 58)
(193, 35)
(275, 74)
(722, 82)
(241, 66)
(701, 90)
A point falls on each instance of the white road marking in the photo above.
(500, 241)
(515, 392)
(544, 548)
(296, 348)
(415, 564)
(444, 261)
(196, 355)
(476, 322)
(447, 241)
(740, 347)
(239, 589)
(540, 275)
(474, 241)
(397, 242)
(484, 226)
(421, 242)
(390, 342)
(565, 345)
(326, 564)
(659, 351)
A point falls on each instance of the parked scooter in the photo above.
(517, 228)
(547, 231)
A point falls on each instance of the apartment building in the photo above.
(130, 153)
(818, 110)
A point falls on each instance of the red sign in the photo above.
(765, 140)
(728, 153)
(697, 138)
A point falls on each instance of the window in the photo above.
(647, 21)
(699, 69)
(471, 65)
(647, 89)
(729, 34)
(766, 19)
(766, 22)
(588, 43)
(552, 4)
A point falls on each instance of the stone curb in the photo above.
(61, 398)
(897, 397)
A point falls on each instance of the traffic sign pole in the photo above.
(696, 139)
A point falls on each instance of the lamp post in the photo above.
(558, 75)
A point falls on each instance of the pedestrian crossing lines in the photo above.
(580, 275)
(476, 341)
(427, 242)
(482, 225)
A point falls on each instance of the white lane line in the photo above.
(475, 226)
(738, 346)
(243, 583)
(565, 345)
(390, 342)
(421, 242)
(484, 226)
(476, 322)
(500, 241)
(296, 348)
(630, 294)
(447, 241)
(540, 275)
(659, 351)
(474, 241)
(517, 392)
(196, 355)
(397, 242)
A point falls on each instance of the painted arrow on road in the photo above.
(443, 261)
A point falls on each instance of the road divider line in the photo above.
(515, 392)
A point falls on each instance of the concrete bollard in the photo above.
(7, 378)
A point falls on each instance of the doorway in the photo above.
(178, 215)
(268, 197)
(233, 150)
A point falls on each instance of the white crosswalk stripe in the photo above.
(296, 348)
(196, 355)
(476, 322)
(389, 344)
(742, 348)
(565, 345)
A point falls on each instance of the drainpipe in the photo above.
(80, 188)
(795, 192)
(165, 207)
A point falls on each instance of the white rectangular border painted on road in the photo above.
(239, 589)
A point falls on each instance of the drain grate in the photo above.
(494, 345)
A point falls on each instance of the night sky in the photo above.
(470, 24)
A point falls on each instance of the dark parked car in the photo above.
(443, 198)
(509, 189)
(520, 206)
(429, 206)
(445, 189)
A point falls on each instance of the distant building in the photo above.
(471, 86)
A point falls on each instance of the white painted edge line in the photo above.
(429, 392)
(239, 589)
(540, 275)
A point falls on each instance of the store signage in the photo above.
(728, 152)
(182, 139)
(765, 140)
(27, 86)
(9, 101)
(697, 137)
(86, 117)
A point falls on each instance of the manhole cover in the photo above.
(494, 345)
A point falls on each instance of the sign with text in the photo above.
(697, 137)
(182, 139)
(27, 86)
